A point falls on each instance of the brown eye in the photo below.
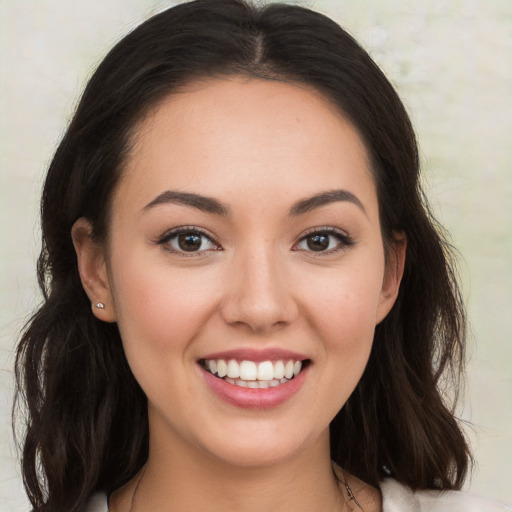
(318, 242)
(189, 242)
(326, 240)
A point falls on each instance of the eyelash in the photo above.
(187, 230)
(344, 241)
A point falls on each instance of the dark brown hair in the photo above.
(86, 426)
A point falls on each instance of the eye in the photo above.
(188, 240)
(324, 240)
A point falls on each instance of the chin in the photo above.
(251, 450)
(253, 457)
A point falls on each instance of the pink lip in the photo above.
(274, 354)
(248, 398)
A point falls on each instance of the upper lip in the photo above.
(257, 355)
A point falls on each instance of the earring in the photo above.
(99, 305)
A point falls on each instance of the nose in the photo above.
(258, 294)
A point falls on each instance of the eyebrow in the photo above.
(325, 198)
(210, 205)
(203, 203)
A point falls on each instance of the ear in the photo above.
(395, 262)
(93, 270)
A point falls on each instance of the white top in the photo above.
(400, 498)
(395, 498)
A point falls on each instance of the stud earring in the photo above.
(99, 305)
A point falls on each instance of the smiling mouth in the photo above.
(255, 375)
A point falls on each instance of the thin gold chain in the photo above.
(350, 494)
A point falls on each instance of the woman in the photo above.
(247, 303)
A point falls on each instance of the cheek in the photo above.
(160, 313)
(342, 312)
(349, 302)
(341, 317)
(159, 308)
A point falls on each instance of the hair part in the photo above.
(87, 426)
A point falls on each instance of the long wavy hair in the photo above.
(86, 426)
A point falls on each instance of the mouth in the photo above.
(255, 374)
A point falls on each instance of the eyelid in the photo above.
(345, 240)
(171, 233)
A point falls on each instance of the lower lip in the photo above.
(250, 398)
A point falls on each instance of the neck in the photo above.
(180, 476)
(297, 484)
(183, 478)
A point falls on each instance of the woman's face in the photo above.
(245, 238)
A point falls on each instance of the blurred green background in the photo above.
(451, 62)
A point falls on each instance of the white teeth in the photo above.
(222, 368)
(288, 370)
(256, 384)
(248, 370)
(233, 369)
(278, 370)
(254, 375)
(266, 370)
(212, 364)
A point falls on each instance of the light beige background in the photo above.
(452, 64)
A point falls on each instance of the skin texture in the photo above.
(258, 147)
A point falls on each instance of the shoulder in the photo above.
(400, 498)
(97, 503)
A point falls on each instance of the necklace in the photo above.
(350, 494)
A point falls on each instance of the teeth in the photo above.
(254, 375)
(248, 370)
(279, 370)
(266, 371)
(222, 368)
(256, 384)
(288, 370)
(212, 364)
(233, 369)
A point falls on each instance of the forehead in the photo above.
(245, 134)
